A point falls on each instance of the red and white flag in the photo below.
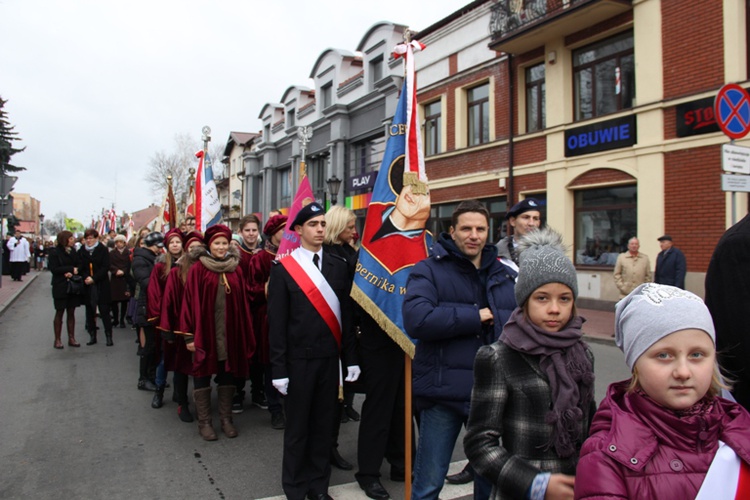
(728, 477)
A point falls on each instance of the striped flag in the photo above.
(207, 205)
(303, 197)
(395, 237)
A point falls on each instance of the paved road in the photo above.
(73, 425)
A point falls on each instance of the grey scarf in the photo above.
(570, 374)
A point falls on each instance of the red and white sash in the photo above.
(316, 289)
(727, 478)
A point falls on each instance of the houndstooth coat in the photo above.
(509, 402)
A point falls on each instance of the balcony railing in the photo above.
(513, 22)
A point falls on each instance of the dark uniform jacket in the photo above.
(296, 330)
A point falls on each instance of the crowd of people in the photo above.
(499, 351)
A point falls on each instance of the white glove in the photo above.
(281, 385)
(352, 373)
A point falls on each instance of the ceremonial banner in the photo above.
(208, 207)
(303, 197)
(168, 211)
(395, 237)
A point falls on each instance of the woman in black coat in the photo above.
(119, 268)
(95, 271)
(63, 263)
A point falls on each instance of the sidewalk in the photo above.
(599, 325)
(12, 289)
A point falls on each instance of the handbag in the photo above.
(75, 285)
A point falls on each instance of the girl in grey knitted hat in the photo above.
(534, 389)
(666, 433)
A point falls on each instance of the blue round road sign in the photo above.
(732, 109)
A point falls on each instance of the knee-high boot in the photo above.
(226, 392)
(144, 384)
(202, 398)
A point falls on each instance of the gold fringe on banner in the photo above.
(383, 321)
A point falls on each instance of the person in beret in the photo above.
(310, 325)
(524, 217)
(671, 266)
(259, 271)
(216, 322)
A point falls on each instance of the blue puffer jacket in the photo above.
(441, 310)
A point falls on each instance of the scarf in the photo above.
(221, 266)
(90, 249)
(568, 368)
(270, 247)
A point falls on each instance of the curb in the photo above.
(27, 282)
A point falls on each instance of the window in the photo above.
(432, 113)
(285, 187)
(290, 118)
(478, 100)
(535, 98)
(605, 220)
(366, 156)
(267, 133)
(604, 77)
(316, 173)
(376, 70)
(326, 94)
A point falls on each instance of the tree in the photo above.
(7, 136)
(177, 164)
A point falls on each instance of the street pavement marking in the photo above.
(352, 491)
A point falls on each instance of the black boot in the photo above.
(144, 384)
(109, 338)
(158, 400)
(92, 341)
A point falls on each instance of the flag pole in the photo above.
(408, 459)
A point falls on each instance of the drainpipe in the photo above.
(511, 89)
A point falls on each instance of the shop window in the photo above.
(478, 103)
(605, 219)
(535, 98)
(604, 77)
(432, 113)
(366, 156)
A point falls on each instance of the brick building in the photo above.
(601, 109)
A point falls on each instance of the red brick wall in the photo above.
(531, 182)
(693, 47)
(466, 192)
(694, 207)
(452, 64)
(603, 26)
(670, 123)
(601, 176)
(467, 163)
(530, 151)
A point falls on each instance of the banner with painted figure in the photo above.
(395, 237)
(207, 204)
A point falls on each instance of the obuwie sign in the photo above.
(602, 136)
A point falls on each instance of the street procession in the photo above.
(500, 251)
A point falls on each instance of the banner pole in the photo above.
(407, 426)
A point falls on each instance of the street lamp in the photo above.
(41, 226)
(334, 183)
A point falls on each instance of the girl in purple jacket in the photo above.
(665, 433)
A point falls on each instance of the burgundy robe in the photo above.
(197, 318)
(176, 356)
(260, 272)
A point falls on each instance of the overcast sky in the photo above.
(95, 88)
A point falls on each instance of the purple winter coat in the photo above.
(639, 449)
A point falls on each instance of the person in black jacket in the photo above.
(144, 260)
(670, 264)
(306, 342)
(94, 260)
(63, 263)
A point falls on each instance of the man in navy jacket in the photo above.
(456, 301)
(670, 264)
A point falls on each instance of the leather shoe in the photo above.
(145, 384)
(319, 496)
(338, 461)
(351, 413)
(374, 489)
(464, 477)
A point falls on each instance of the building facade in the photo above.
(601, 109)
